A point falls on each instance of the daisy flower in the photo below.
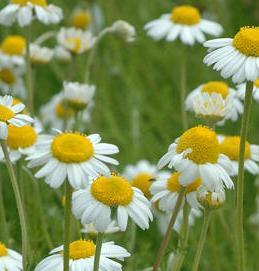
(81, 19)
(11, 114)
(94, 204)
(77, 95)
(25, 11)
(238, 57)
(215, 98)
(196, 154)
(91, 229)
(124, 30)
(185, 23)
(167, 188)
(141, 176)
(10, 260)
(62, 55)
(241, 90)
(40, 55)
(229, 145)
(210, 199)
(81, 257)
(75, 40)
(73, 156)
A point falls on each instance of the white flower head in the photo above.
(241, 90)
(81, 257)
(9, 259)
(196, 154)
(62, 54)
(94, 204)
(211, 199)
(185, 23)
(25, 11)
(40, 55)
(236, 58)
(124, 30)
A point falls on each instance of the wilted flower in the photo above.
(210, 199)
(124, 30)
(40, 55)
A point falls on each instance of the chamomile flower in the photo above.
(238, 57)
(73, 156)
(196, 154)
(81, 19)
(229, 145)
(75, 40)
(141, 176)
(40, 55)
(25, 11)
(62, 55)
(215, 99)
(81, 257)
(185, 23)
(124, 30)
(211, 199)
(95, 204)
(241, 90)
(91, 229)
(77, 95)
(11, 114)
(10, 260)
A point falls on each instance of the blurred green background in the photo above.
(138, 90)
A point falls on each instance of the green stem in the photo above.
(183, 88)
(19, 203)
(167, 236)
(204, 230)
(67, 233)
(4, 225)
(240, 180)
(30, 94)
(98, 249)
(183, 241)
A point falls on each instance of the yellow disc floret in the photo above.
(210, 202)
(21, 137)
(216, 87)
(81, 249)
(3, 250)
(188, 15)
(7, 76)
(5, 113)
(256, 83)
(246, 41)
(13, 45)
(74, 44)
(72, 148)
(63, 112)
(81, 19)
(143, 182)
(112, 191)
(201, 145)
(230, 147)
(42, 3)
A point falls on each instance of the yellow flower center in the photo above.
(42, 3)
(188, 15)
(75, 44)
(21, 137)
(202, 143)
(81, 249)
(63, 112)
(112, 191)
(7, 76)
(246, 41)
(230, 147)
(3, 250)
(5, 113)
(81, 19)
(143, 182)
(13, 45)
(72, 148)
(216, 87)
(256, 83)
(208, 202)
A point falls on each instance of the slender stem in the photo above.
(44, 37)
(183, 242)
(67, 233)
(30, 94)
(183, 87)
(240, 180)
(19, 203)
(98, 249)
(3, 224)
(204, 230)
(167, 236)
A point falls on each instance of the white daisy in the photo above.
(195, 154)
(10, 260)
(225, 104)
(91, 229)
(124, 30)
(62, 54)
(94, 204)
(25, 11)
(40, 55)
(81, 256)
(75, 40)
(73, 156)
(210, 199)
(241, 90)
(11, 114)
(229, 145)
(238, 57)
(185, 23)
(166, 190)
